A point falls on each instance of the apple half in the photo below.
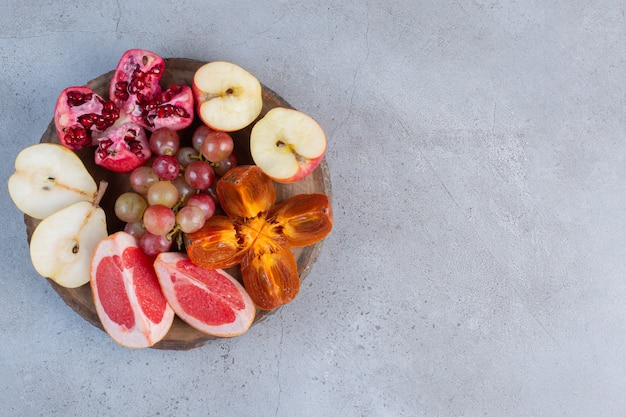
(228, 97)
(287, 144)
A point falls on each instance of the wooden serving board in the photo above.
(181, 71)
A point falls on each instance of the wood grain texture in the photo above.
(181, 71)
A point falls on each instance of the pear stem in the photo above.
(102, 187)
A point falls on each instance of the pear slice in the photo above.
(63, 244)
(49, 177)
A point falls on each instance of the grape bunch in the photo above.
(175, 193)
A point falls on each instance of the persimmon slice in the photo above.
(304, 218)
(245, 191)
(270, 274)
(216, 245)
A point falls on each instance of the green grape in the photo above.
(129, 207)
(190, 219)
(164, 193)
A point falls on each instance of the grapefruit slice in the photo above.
(127, 294)
(209, 300)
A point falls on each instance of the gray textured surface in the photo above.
(477, 264)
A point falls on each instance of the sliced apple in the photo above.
(287, 144)
(63, 244)
(49, 177)
(228, 97)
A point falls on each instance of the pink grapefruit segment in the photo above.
(127, 294)
(209, 300)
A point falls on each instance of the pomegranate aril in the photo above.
(137, 85)
(81, 114)
(121, 91)
(75, 98)
(77, 138)
(123, 148)
(133, 144)
(172, 108)
(167, 110)
(87, 120)
(103, 146)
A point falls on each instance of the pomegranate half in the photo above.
(116, 125)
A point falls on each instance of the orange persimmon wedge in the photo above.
(216, 245)
(270, 274)
(245, 191)
(304, 218)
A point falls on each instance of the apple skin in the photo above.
(228, 98)
(287, 144)
(305, 169)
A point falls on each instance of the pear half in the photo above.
(63, 244)
(49, 177)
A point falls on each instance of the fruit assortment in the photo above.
(192, 210)
(169, 197)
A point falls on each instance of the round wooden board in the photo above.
(181, 71)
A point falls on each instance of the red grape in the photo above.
(159, 219)
(135, 228)
(187, 155)
(200, 175)
(184, 190)
(190, 219)
(199, 135)
(217, 146)
(142, 178)
(153, 244)
(226, 165)
(166, 167)
(164, 141)
(205, 202)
